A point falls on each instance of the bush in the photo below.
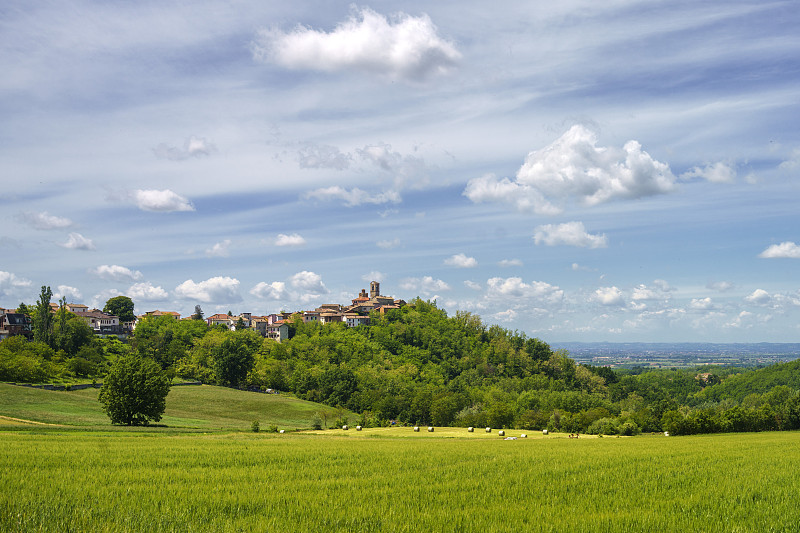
(255, 426)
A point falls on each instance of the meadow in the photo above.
(395, 480)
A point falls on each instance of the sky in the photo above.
(577, 171)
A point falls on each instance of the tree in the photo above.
(234, 358)
(43, 318)
(134, 391)
(122, 307)
(198, 313)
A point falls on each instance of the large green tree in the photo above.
(134, 391)
(43, 317)
(120, 306)
(234, 358)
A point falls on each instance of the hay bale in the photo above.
(282, 431)
(416, 428)
(430, 429)
(666, 433)
(501, 433)
(358, 428)
(544, 432)
(470, 429)
(488, 430)
(524, 436)
(344, 427)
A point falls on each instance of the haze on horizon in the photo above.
(618, 172)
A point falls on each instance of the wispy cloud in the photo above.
(116, 273)
(45, 221)
(289, 240)
(353, 197)
(193, 147)
(76, 241)
(220, 249)
(570, 234)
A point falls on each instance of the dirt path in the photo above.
(23, 421)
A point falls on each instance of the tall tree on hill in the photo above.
(198, 312)
(43, 317)
(122, 307)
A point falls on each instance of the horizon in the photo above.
(598, 173)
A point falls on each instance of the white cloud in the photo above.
(354, 196)
(310, 282)
(116, 273)
(472, 285)
(509, 315)
(405, 47)
(793, 161)
(758, 297)
(387, 244)
(10, 280)
(218, 289)
(570, 234)
(220, 249)
(70, 293)
(701, 304)
(717, 173)
(146, 292)
(510, 263)
(373, 276)
(270, 291)
(426, 285)
(609, 296)
(76, 241)
(514, 287)
(574, 168)
(721, 286)
(45, 221)
(461, 261)
(193, 147)
(405, 169)
(787, 249)
(289, 240)
(160, 200)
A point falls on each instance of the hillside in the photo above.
(203, 407)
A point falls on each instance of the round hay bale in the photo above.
(488, 430)
(430, 429)
(344, 427)
(416, 428)
(358, 428)
(470, 429)
(501, 433)
(666, 433)
(544, 432)
(282, 431)
(524, 436)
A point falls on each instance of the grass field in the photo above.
(63, 467)
(188, 408)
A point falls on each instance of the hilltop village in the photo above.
(273, 326)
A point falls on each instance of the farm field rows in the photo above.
(395, 480)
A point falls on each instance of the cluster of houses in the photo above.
(273, 326)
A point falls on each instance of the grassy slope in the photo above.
(200, 407)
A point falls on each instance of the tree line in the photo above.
(417, 365)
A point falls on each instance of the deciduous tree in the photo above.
(134, 391)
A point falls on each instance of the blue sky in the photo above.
(618, 172)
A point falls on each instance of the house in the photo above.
(278, 331)
(353, 320)
(12, 324)
(100, 322)
(221, 319)
(157, 313)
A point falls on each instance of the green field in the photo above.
(202, 471)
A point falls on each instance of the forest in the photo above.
(417, 365)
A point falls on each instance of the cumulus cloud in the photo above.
(721, 286)
(220, 249)
(289, 240)
(426, 285)
(270, 291)
(309, 282)
(116, 273)
(405, 169)
(574, 168)
(146, 292)
(218, 289)
(404, 47)
(76, 241)
(354, 196)
(45, 221)
(509, 315)
(716, 172)
(609, 296)
(160, 200)
(570, 234)
(65, 291)
(509, 263)
(515, 287)
(472, 285)
(701, 304)
(786, 249)
(758, 297)
(9, 282)
(193, 147)
(461, 261)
